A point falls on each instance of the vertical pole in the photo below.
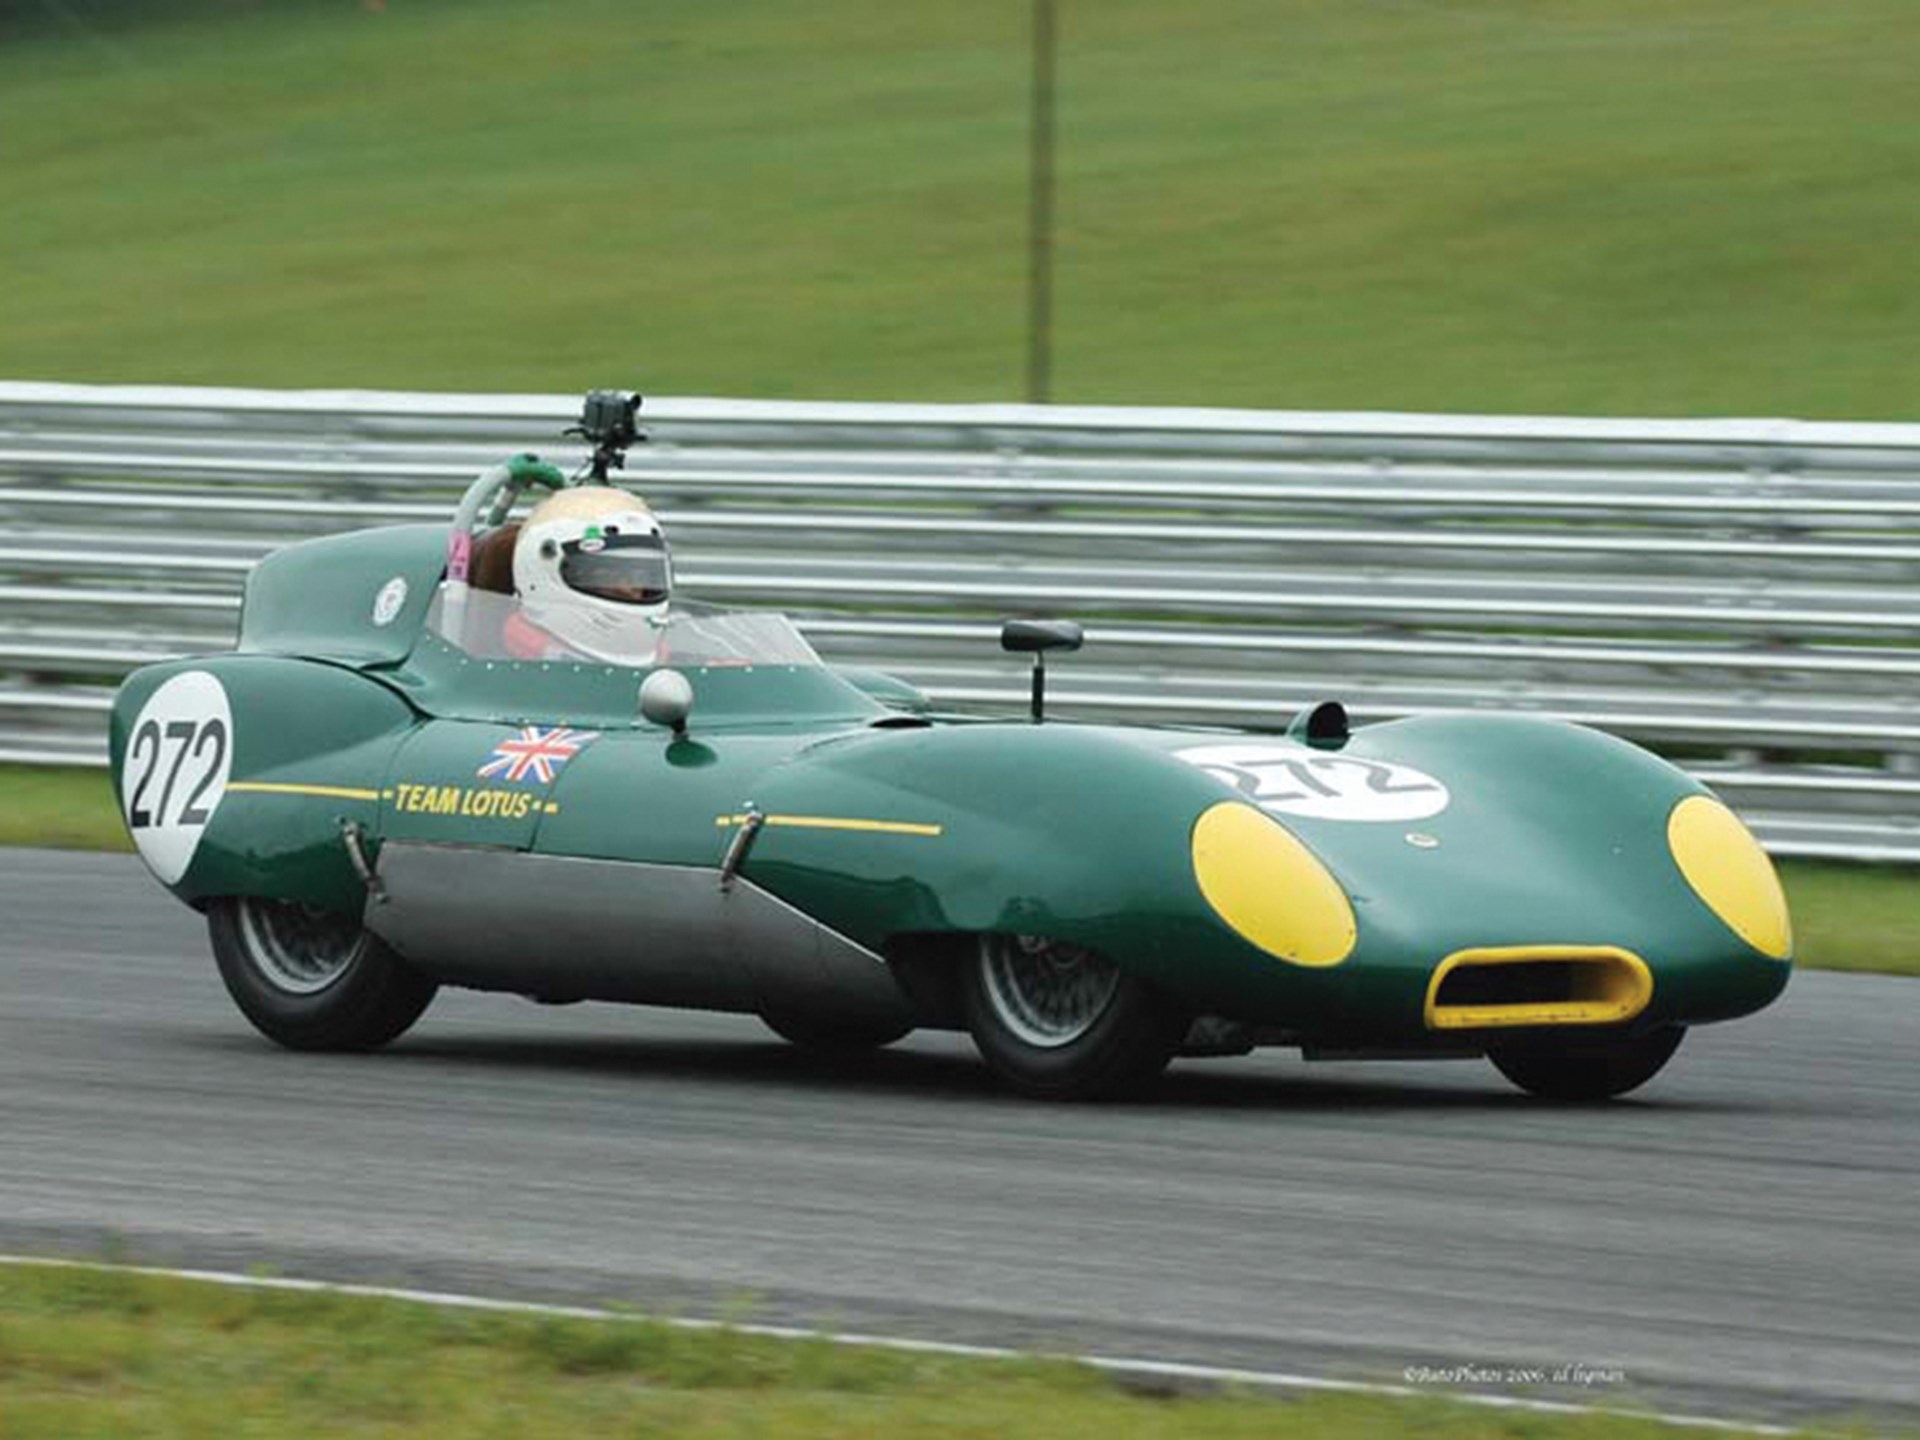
(1040, 212)
(1039, 701)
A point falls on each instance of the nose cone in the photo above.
(1566, 856)
(1695, 902)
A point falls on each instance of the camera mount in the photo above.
(608, 422)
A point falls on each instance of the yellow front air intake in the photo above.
(1270, 888)
(1537, 985)
(1730, 873)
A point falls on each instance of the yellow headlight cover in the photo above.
(1271, 889)
(1730, 873)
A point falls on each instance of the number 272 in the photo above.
(201, 740)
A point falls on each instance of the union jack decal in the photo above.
(535, 754)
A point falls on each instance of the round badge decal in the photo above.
(179, 755)
(388, 603)
(1317, 785)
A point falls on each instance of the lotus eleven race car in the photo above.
(502, 755)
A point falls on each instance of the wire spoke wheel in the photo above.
(1058, 1021)
(298, 951)
(1046, 992)
(313, 979)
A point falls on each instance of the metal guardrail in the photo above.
(1743, 595)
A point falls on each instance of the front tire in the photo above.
(314, 979)
(1061, 1022)
(1589, 1071)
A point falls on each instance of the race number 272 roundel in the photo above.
(179, 754)
(1294, 780)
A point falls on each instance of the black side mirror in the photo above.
(1022, 637)
(1035, 638)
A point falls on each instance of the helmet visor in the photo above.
(626, 569)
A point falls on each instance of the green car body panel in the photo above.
(354, 727)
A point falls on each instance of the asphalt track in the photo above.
(1744, 1240)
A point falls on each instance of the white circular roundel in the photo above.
(390, 601)
(179, 754)
(1319, 785)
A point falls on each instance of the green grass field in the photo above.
(1585, 206)
(111, 1354)
(1846, 917)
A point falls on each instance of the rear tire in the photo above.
(1061, 1022)
(314, 979)
(1588, 1072)
(834, 1037)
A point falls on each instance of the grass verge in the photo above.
(1855, 917)
(108, 1353)
(1846, 917)
(59, 808)
(1577, 206)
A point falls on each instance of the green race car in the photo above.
(389, 786)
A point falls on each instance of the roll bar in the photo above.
(487, 503)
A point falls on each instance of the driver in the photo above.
(593, 575)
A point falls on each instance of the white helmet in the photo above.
(592, 570)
